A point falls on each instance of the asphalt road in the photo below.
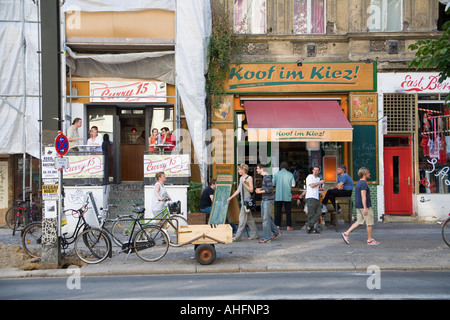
(374, 284)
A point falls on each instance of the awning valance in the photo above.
(297, 120)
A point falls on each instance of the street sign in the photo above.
(61, 144)
(62, 163)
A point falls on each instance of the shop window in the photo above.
(309, 16)
(385, 15)
(250, 16)
(434, 145)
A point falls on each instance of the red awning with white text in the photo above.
(297, 120)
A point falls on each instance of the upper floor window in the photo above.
(385, 15)
(250, 16)
(309, 16)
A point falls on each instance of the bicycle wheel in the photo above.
(10, 216)
(92, 246)
(446, 231)
(151, 243)
(32, 239)
(172, 231)
(121, 230)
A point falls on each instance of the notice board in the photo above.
(365, 151)
(222, 192)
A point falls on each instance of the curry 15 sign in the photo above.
(173, 165)
(128, 91)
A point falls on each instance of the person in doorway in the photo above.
(107, 158)
(207, 197)
(245, 216)
(167, 138)
(313, 183)
(363, 205)
(95, 140)
(153, 139)
(72, 134)
(343, 188)
(270, 230)
(160, 193)
(283, 181)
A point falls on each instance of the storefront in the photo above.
(306, 114)
(416, 144)
(124, 112)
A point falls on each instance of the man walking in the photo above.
(363, 205)
(270, 230)
(284, 181)
(313, 183)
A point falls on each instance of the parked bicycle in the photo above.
(23, 213)
(91, 245)
(445, 226)
(168, 219)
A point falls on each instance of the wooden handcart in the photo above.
(204, 237)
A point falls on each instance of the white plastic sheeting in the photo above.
(19, 78)
(19, 68)
(193, 31)
(140, 65)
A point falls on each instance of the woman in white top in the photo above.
(95, 140)
(160, 193)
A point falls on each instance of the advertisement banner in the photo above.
(85, 166)
(173, 165)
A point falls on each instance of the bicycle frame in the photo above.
(162, 217)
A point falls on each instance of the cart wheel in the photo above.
(205, 253)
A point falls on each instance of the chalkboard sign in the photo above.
(220, 205)
(365, 153)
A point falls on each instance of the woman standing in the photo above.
(245, 216)
(160, 193)
(95, 140)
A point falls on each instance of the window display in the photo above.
(434, 146)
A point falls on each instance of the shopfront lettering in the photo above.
(172, 165)
(300, 133)
(125, 91)
(285, 73)
(423, 83)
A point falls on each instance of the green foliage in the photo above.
(224, 46)
(193, 196)
(434, 54)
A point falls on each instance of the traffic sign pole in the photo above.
(62, 147)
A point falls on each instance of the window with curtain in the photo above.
(250, 16)
(385, 15)
(309, 16)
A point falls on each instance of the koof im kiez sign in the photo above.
(294, 77)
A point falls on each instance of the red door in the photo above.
(398, 180)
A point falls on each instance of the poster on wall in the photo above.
(363, 107)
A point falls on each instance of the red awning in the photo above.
(297, 120)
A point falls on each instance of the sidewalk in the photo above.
(404, 246)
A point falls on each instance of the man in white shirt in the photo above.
(313, 184)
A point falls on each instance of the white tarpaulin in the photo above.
(193, 31)
(19, 78)
(19, 72)
(139, 65)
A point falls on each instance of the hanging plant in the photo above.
(224, 47)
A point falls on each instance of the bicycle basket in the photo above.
(175, 207)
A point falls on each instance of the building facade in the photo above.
(326, 82)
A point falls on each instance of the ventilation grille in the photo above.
(400, 111)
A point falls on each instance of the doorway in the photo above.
(398, 181)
